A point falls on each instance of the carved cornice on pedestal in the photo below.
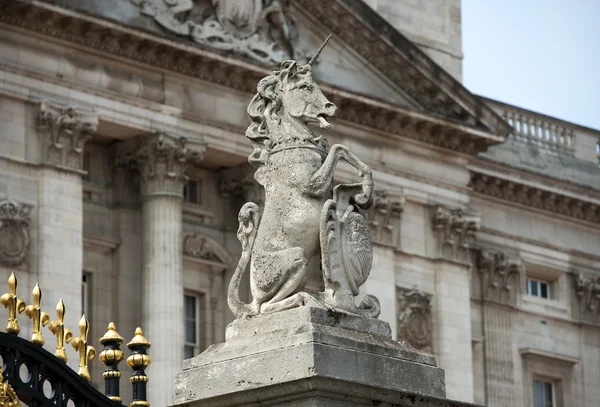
(500, 276)
(384, 218)
(587, 292)
(14, 232)
(65, 130)
(414, 317)
(455, 231)
(537, 198)
(161, 160)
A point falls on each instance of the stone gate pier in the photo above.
(311, 357)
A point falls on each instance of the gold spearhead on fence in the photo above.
(63, 335)
(39, 317)
(14, 305)
(86, 352)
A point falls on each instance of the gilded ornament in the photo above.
(63, 335)
(111, 356)
(14, 305)
(39, 317)
(86, 352)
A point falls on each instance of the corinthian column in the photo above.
(162, 161)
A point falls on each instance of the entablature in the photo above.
(464, 133)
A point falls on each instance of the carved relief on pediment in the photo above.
(413, 310)
(202, 247)
(14, 232)
(455, 231)
(262, 30)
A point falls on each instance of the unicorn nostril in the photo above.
(329, 105)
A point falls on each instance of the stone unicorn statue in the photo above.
(296, 169)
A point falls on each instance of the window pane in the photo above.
(190, 307)
(538, 394)
(188, 351)
(548, 394)
(544, 290)
(533, 289)
(190, 331)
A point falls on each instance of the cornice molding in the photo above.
(534, 197)
(458, 134)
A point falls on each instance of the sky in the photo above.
(542, 55)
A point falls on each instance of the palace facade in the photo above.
(123, 164)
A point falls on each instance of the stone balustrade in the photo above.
(538, 129)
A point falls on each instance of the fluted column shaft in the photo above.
(161, 161)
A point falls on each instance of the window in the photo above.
(85, 297)
(192, 191)
(538, 288)
(543, 394)
(190, 305)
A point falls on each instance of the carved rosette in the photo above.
(414, 317)
(455, 230)
(500, 276)
(14, 232)
(587, 292)
(65, 130)
(161, 161)
(384, 218)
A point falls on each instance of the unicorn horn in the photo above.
(314, 58)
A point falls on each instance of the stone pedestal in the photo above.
(310, 357)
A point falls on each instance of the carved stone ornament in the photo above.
(414, 317)
(500, 276)
(587, 291)
(534, 197)
(384, 218)
(299, 221)
(455, 231)
(204, 248)
(65, 130)
(161, 160)
(14, 232)
(259, 29)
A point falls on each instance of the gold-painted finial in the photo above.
(86, 352)
(111, 356)
(139, 360)
(63, 335)
(14, 305)
(39, 317)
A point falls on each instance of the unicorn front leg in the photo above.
(323, 177)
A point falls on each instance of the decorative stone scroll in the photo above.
(384, 218)
(14, 232)
(65, 131)
(299, 220)
(202, 247)
(587, 292)
(455, 231)
(500, 276)
(259, 29)
(414, 317)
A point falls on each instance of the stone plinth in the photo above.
(310, 357)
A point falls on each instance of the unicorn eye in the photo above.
(304, 87)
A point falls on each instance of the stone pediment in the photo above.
(375, 75)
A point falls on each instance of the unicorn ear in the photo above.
(293, 70)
